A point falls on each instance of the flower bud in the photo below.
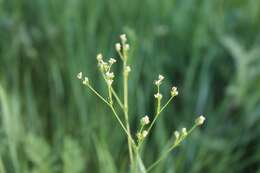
(158, 96)
(184, 132)
(79, 75)
(112, 61)
(174, 91)
(144, 134)
(145, 120)
(85, 81)
(110, 75)
(123, 38)
(99, 57)
(118, 47)
(177, 135)
(200, 120)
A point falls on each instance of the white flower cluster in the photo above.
(174, 91)
(105, 68)
(142, 135)
(123, 46)
(159, 81)
(180, 135)
(158, 96)
(145, 120)
(80, 77)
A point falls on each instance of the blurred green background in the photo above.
(51, 123)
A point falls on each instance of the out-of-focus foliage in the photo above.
(208, 48)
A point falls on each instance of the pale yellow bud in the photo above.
(145, 120)
(118, 47)
(110, 75)
(99, 57)
(161, 77)
(177, 135)
(144, 133)
(112, 61)
(158, 96)
(200, 120)
(184, 132)
(85, 81)
(79, 75)
(123, 38)
(174, 91)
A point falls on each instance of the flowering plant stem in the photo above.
(176, 144)
(159, 110)
(158, 113)
(114, 113)
(134, 144)
(125, 76)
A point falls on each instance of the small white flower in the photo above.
(161, 77)
(184, 131)
(145, 120)
(159, 81)
(139, 136)
(177, 135)
(118, 47)
(110, 75)
(128, 69)
(85, 81)
(144, 134)
(174, 91)
(112, 61)
(123, 38)
(127, 47)
(99, 57)
(158, 96)
(200, 120)
(79, 75)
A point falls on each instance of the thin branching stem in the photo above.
(155, 118)
(114, 112)
(122, 125)
(176, 144)
(158, 113)
(117, 98)
(95, 92)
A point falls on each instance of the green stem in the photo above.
(125, 74)
(122, 125)
(95, 92)
(158, 113)
(114, 113)
(110, 94)
(176, 144)
(155, 118)
(117, 98)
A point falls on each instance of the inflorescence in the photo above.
(145, 125)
